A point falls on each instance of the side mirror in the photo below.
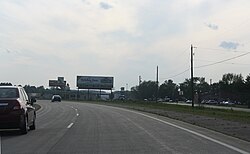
(33, 100)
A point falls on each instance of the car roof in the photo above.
(56, 95)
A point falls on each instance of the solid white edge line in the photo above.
(190, 131)
(70, 125)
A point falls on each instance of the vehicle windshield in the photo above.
(125, 76)
(8, 93)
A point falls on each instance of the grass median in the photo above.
(227, 114)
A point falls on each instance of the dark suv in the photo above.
(56, 98)
(16, 110)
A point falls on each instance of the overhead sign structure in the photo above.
(94, 82)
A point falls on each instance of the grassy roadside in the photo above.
(226, 114)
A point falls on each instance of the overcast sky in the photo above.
(44, 39)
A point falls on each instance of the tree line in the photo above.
(233, 87)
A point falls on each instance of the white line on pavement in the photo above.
(70, 125)
(188, 130)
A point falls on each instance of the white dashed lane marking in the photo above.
(70, 125)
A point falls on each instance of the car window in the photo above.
(8, 93)
(22, 97)
(25, 94)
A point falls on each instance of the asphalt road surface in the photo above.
(70, 127)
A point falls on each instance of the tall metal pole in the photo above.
(192, 77)
(157, 83)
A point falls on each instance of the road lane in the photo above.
(190, 131)
(111, 130)
(52, 122)
(103, 129)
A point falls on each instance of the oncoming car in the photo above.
(16, 110)
(56, 98)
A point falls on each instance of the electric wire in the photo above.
(202, 66)
(177, 66)
(230, 63)
(177, 74)
(222, 61)
(213, 49)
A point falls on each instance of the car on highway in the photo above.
(16, 109)
(56, 98)
(212, 102)
(226, 103)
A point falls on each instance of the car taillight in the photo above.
(17, 105)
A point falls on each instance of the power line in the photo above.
(181, 53)
(213, 49)
(178, 74)
(223, 60)
(231, 63)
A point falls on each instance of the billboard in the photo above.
(94, 82)
(56, 83)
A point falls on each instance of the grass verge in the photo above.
(226, 114)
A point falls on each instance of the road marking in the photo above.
(188, 130)
(70, 125)
(77, 114)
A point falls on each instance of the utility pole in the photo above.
(192, 76)
(157, 82)
(140, 80)
(211, 82)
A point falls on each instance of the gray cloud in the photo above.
(212, 26)
(86, 2)
(229, 45)
(105, 6)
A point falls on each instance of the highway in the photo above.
(71, 127)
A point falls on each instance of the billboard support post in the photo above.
(100, 93)
(88, 94)
(78, 94)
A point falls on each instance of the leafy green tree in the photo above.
(5, 84)
(146, 90)
(30, 89)
(200, 85)
(168, 89)
(228, 78)
(135, 93)
(186, 88)
(247, 83)
(233, 87)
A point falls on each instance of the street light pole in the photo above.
(157, 82)
(192, 76)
